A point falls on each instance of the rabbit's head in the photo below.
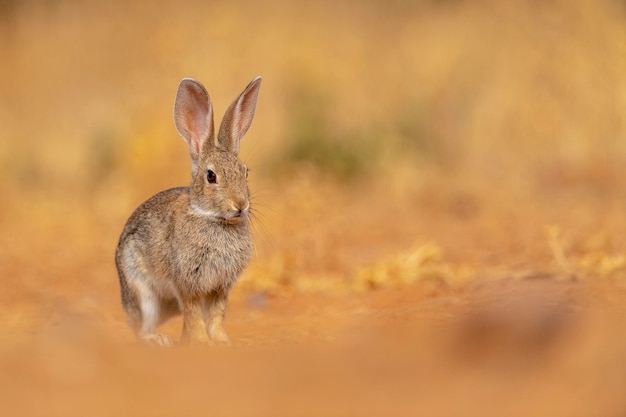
(219, 187)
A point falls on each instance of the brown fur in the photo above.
(183, 249)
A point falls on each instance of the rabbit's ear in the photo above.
(238, 117)
(193, 116)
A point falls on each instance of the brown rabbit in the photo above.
(183, 249)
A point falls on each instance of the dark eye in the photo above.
(211, 177)
(247, 170)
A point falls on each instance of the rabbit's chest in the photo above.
(217, 259)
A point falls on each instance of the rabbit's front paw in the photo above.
(157, 339)
(219, 336)
(195, 337)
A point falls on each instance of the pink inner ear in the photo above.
(196, 115)
(197, 128)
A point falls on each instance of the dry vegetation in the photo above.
(440, 197)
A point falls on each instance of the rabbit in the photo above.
(182, 250)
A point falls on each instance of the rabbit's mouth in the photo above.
(235, 218)
(228, 217)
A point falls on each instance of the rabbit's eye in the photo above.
(211, 177)
(247, 170)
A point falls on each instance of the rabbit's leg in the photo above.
(193, 322)
(142, 304)
(150, 317)
(143, 310)
(214, 312)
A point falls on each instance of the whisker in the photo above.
(262, 209)
(257, 216)
(261, 231)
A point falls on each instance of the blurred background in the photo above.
(403, 153)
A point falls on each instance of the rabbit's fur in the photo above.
(183, 249)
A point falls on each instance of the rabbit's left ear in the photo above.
(238, 118)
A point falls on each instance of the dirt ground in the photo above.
(536, 347)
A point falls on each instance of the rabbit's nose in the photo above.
(241, 204)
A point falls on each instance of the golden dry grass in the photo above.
(440, 197)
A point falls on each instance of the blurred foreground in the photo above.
(535, 347)
(440, 198)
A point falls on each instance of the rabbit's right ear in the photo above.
(193, 116)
